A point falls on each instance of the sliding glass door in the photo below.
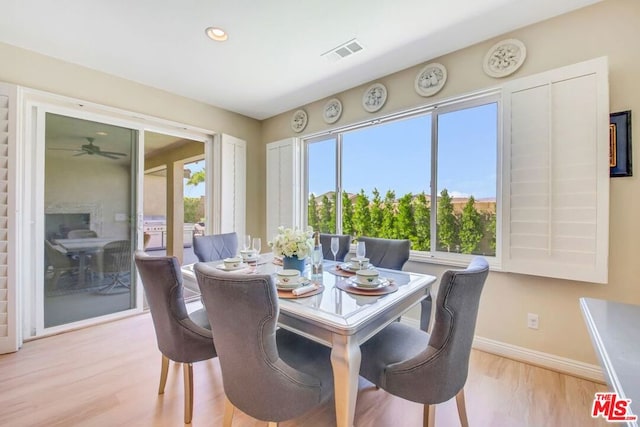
(89, 225)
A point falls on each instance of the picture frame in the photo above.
(620, 144)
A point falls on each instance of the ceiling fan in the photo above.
(91, 150)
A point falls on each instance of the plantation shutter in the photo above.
(8, 299)
(283, 185)
(233, 185)
(556, 173)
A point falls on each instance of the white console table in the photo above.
(615, 333)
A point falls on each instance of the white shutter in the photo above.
(233, 185)
(8, 297)
(283, 185)
(556, 173)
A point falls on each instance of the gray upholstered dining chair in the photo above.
(343, 248)
(182, 337)
(431, 368)
(214, 247)
(272, 375)
(386, 253)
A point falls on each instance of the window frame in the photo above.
(434, 109)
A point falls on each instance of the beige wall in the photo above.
(36, 71)
(609, 28)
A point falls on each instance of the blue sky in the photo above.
(397, 156)
(194, 190)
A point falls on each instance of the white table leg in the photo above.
(345, 360)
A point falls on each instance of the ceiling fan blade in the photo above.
(103, 154)
(113, 153)
(63, 149)
(80, 154)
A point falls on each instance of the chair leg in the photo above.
(429, 417)
(228, 412)
(272, 424)
(462, 410)
(188, 392)
(164, 371)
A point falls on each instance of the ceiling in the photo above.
(272, 60)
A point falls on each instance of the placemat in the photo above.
(340, 272)
(290, 295)
(348, 287)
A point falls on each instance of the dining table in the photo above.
(340, 316)
(83, 247)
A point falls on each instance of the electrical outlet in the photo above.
(532, 320)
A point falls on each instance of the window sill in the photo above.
(451, 260)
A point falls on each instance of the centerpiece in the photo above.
(293, 245)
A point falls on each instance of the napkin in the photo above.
(305, 289)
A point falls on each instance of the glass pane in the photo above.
(466, 212)
(385, 175)
(161, 152)
(88, 206)
(321, 203)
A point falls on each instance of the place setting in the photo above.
(367, 282)
(290, 284)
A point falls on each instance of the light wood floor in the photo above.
(107, 375)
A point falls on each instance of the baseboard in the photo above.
(532, 357)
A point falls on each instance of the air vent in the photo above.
(344, 50)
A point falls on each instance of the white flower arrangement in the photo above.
(293, 242)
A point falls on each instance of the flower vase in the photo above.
(293, 263)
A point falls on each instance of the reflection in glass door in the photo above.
(89, 231)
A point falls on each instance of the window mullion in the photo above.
(339, 183)
(434, 182)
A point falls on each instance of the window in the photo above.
(387, 175)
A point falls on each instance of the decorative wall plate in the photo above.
(374, 97)
(332, 110)
(430, 79)
(299, 121)
(504, 58)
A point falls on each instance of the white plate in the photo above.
(225, 268)
(347, 267)
(379, 283)
(291, 286)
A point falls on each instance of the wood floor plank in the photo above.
(108, 375)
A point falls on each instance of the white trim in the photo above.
(531, 357)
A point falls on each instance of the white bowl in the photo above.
(359, 263)
(288, 277)
(248, 254)
(367, 277)
(232, 262)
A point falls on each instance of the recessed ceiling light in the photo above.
(217, 34)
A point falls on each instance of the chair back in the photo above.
(345, 244)
(440, 371)
(162, 282)
(55, 257)
(214, 247)
(116, 256)
(387, 253)
(81, 234)
(243, 311)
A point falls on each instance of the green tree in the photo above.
(313, 219)
(347, 214)
(388, 228)
(361, 217)
(376, 214)
(196, 178)
(422, 220)
(332, 220)
(405, 224)
(325, 215)
(446, 221)
(470, 228)
(491, 230)
(191, 205)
